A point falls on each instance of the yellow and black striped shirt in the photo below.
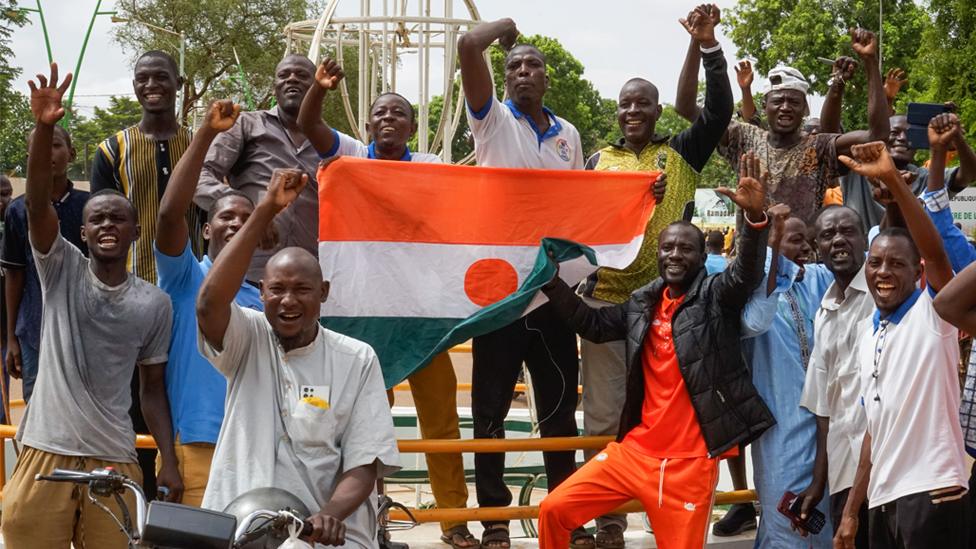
(139, 167)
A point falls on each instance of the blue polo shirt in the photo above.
(196, 390)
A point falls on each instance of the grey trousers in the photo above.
(604, 374)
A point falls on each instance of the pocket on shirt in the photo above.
(312, 429)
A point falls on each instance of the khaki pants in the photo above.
(55, 515)
(194, 466)
(434, 390)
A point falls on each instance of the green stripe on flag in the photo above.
(404, 345)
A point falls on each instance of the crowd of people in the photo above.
(181, 298)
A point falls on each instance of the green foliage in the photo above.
(798, 32)
(944, 69)
(214, 29)
(88, 133)
(15, 124)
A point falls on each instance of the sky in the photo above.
(635, 38)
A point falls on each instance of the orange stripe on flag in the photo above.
(390, 201)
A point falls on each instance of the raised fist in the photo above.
(222, 115)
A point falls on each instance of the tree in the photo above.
(15, 125)
(943, 70)
(798, 32)
(88, 133)
(213, 30)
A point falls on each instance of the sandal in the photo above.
(610, 537)
(496, 536)
(581, 539)
(460, 537)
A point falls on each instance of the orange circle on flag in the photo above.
(490, 280)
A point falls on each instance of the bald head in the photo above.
(294, 261)
(645, 87)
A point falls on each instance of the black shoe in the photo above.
(740, 518)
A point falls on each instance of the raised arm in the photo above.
(224, 279)
(172, 230)
(596, 325)
(842, 72)
(865, 44)
(744, 76)
(317, 129)
(697, 143)
(224, 153)
(735, 284)
(967, 158)
(872, 160)
(45, 102)
(686, 99)
(475, 76)
(956, 303)
(894, 80)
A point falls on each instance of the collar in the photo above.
(67, 193)
(656, 139)
(899, 313)
(834, 299)
(554, 128)
(371, 153)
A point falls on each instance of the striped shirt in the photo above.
(139, 167)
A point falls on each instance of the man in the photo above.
(259, 143)
(715, 262)
(858, 190)
(831, 389)
(779, 331)
(912, 464)
(137, 162)
(306, 410)
(6, 192)
(689, 397)
(519, 133)
(196, 391)
(392, 122)
(22, 294)
(99, 322)
(802, 167)
(680, 158)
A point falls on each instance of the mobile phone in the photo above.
(790, 507)
(919, 116)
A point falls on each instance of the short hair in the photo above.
(830, 207)
(644, 82)
(113, 192)
(5, 180)
(413, 114)
(715, 240)
(229, 193)
(57, 129)
(901, 232)
(526, 46)
(159, 54)
(700, 234)
(297, 56)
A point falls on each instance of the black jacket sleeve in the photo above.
(103, 173)
(596, 325)
(734, 286)
(697, 143)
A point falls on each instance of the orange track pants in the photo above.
(677, 494)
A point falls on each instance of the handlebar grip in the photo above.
(65, 475)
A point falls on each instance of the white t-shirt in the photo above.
(506, 138)
(345, 145)
(912, 407)
(832, 388)
(271, 437)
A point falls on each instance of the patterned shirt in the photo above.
(682, 158)
(139, 167)
(798, 175)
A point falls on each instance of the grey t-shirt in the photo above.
(92, 336)
(857, 193)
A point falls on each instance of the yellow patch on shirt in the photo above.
(317, 402)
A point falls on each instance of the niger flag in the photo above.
(422, 257)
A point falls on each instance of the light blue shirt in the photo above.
(715, 263)
(783, 456)
(195, 389)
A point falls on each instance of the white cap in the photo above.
(786, 78)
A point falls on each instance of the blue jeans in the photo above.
(28, 360)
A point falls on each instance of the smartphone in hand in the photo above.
(790, 507)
